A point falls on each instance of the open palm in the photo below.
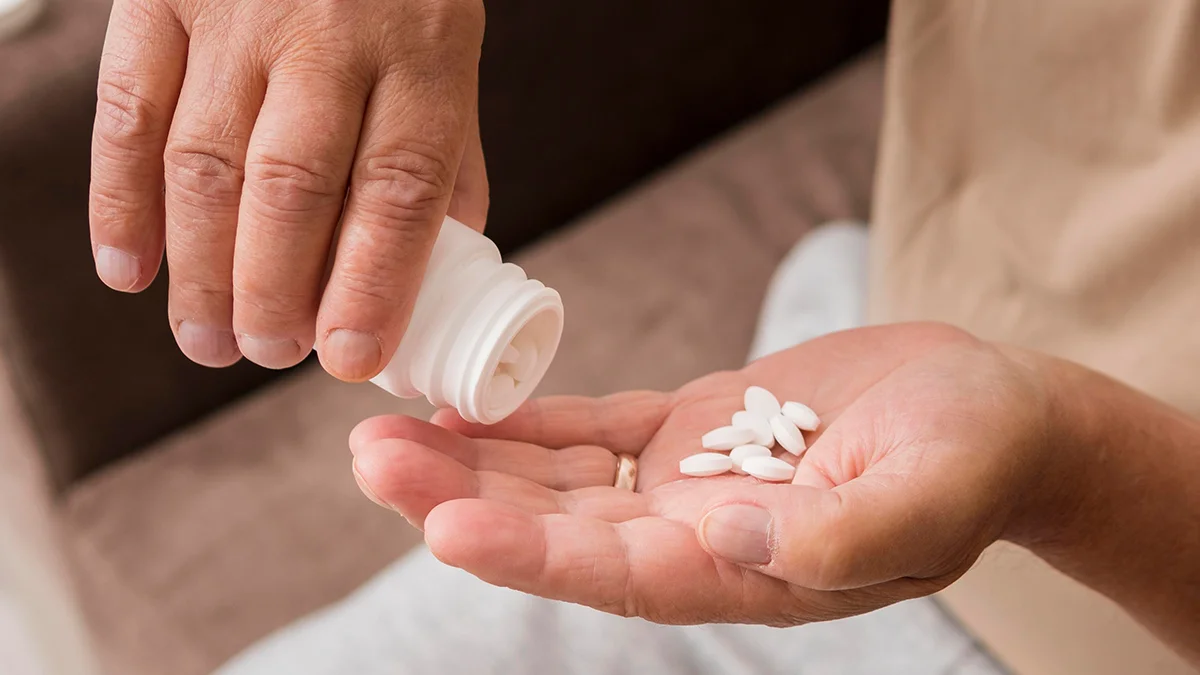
(929, 439)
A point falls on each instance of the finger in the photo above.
(622, 423)
(204, 162)
(412, 141)
(296, 173)
(471, 197)
(413, 479)
(566, 469)
(648, 567)
(140, 74)
(869, 531)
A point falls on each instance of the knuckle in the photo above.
(289, 187)
(279, 306)
(364, 286)
(197, 286)
(404, 185)
(191, 292)
(125, 117)
(442, 20)
(114, 205)
(201, 172)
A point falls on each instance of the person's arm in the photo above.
(1121, 512)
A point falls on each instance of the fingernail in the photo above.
(351, 355)
(274, 353)
(119, 270)
(738, 533)
(366, 488)
(208, 346)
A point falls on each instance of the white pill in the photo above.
(525, 363)
(510, 355)
(761, 402)
(788, 435)
(503, 388)
(761, 426)
(770, 469)
(726, 438)
(801, 415)
(744, 452)
(705, 464)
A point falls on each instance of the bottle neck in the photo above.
(470, 310)
(514, 312)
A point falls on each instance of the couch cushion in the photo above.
(245, 521)
(250, 519)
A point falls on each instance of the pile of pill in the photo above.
(516, 364)
(751, 435)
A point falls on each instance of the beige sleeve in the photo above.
(1039, 184)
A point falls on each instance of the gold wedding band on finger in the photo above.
(627, 470)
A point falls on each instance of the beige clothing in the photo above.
(1039, 184)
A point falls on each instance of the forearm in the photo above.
(1120, 510)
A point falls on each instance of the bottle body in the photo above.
(476, 325)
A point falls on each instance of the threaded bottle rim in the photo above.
(530, 315)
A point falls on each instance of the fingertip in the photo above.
(385, 427)
(443, 417)
(366, 488)
(411, 478)
(498, 543)
(374, 428)
(274, 353)
(120, 270)
(351, 355)
(445, 527)
(449, 419)
(207, 345)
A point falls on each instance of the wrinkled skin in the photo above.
(294, 158)
(930, 446)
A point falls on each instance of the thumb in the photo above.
(868, 531)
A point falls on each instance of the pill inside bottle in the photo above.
(482, 334)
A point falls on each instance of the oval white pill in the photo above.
(510, 355)
(705, 464)
(503, 386)
(744, 452)
(726, 438)
(523, 367)
(770, 469)
(801, 415)
(761, 426)
(761, 402)
(788, 435)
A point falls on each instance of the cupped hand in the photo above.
(932, 445)
(295, 158)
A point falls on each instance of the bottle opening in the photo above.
(522, 363)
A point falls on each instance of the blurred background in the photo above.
(157, 517)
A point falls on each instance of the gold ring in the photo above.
(626, 472)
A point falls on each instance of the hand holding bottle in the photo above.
(294, 158)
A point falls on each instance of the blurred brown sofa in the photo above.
(157, 517)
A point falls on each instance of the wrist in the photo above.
(1114, 502)
(1056, 507)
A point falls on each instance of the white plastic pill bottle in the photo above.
(473, 312)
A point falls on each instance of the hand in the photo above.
(932, 446)
(268, 143)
